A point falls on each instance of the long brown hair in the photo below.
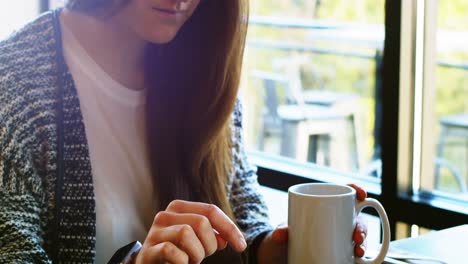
(192, 85)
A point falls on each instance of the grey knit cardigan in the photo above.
(45, 218)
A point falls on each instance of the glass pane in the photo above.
(311, 75)
(404, 230)
(449, 117)
(56, 3)
(14, 14)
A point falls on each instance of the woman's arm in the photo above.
(248, 205)
(20, 227)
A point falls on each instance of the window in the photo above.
(413, 101)
(444, 145)
(56, 3)
(312, 75)
(16, 13)
(423, 171)
(310, 83)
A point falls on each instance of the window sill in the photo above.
(437, 201)
(281, 172)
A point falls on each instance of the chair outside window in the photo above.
(347, 105)
(454, 126)
(317, 133)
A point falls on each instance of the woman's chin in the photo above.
(162, 37)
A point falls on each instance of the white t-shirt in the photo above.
(114, 124)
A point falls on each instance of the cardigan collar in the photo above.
(75, 216)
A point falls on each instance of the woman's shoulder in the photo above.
(27, 84)
(26, 51)
(26, 63)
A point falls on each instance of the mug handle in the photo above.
(369, 202)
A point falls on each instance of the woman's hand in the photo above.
(274, 247)
(360, 231)
(187, 232)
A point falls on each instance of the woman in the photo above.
(120, 123)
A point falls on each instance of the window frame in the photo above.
(44, 5)
(395, 192)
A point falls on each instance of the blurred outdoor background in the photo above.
(312, 75)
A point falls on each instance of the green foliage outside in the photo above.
(355, 75)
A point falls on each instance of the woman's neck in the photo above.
(111, 44)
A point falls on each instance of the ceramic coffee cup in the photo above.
(321, 220)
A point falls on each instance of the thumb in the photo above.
(280, 234)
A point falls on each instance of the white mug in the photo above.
(321, 220)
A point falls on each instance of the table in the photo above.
(450, 245)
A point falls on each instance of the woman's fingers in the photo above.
(216, 217)
(182, 236)
(360, 250)
(360, 231)
(361, 194)
(199, 225)
(280, 234)
(359, 237)
(165, 252)
(222, 244)
(189, 232)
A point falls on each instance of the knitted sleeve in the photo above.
(248, 206)
(20, 229)
(21, 199)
